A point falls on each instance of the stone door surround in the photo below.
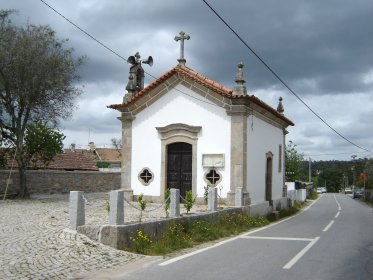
(173, 133)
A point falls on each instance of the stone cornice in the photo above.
(179, 129)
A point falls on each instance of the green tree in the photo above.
(293, 162)
(37, 76)
(42, 143)
(331, 177)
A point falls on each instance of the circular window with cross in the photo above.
(212, 177)
(146, 176)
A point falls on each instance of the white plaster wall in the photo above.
(175, 107)
(262, 138)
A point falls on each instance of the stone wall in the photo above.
(48, 181)
(119, 236)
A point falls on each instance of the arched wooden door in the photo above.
(179, 167)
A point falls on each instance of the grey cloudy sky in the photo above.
(322, 49)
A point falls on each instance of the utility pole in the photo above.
(353, 173)
(309, 169)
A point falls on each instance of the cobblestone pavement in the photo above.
(36, 244)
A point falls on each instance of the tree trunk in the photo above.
(22, 166)
(22, 182)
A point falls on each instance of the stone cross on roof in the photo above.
(181, 38)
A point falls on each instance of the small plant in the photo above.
(313, 195)
(102, 164)
(141, 243)
(189, 200)
(142, 204)
(167, 201)
(107, 206)
(206, 193)
(203, 231)
(178, 237)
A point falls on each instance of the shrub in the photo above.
(141, 243)
(102, 164)
(206, 193)
(142, 204)
(189, 200)
(167, 201)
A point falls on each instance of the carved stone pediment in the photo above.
(179, 129)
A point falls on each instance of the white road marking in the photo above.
(277, 238)
(198, 251)
(170, 261)
(336, 216)
(339, 205)
(328, 226)
(301, 254)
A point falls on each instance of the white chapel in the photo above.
(186, 131)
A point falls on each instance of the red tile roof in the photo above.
(65, 161)
(202, 80)
(71, 161)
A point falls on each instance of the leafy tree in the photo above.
(37, 78)
(293, 162)
(332, 178)
(42, 143)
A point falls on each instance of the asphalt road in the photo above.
(332, 239)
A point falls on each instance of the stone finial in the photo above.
(181, 38)
(280, 107)
(240, 88)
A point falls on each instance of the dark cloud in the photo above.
(322, 49)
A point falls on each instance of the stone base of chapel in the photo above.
(231, 199)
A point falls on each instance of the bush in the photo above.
(189, 200)
(102, 164)
(313, 195)
(141, 243)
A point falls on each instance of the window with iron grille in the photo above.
(213, 177)
(146, 176)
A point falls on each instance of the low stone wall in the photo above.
(50, 182)
(118, 236)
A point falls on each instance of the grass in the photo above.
(313, 195)
(186, 235)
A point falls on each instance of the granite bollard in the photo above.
(212, 200)
(116, 202)
(76, 209)
(174, 203)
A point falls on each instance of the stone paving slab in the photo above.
(36, 244)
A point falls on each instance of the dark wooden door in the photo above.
(179, 167)
(268, 180)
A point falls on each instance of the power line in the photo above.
(318, 155)
(282, 81)
(117, 54)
